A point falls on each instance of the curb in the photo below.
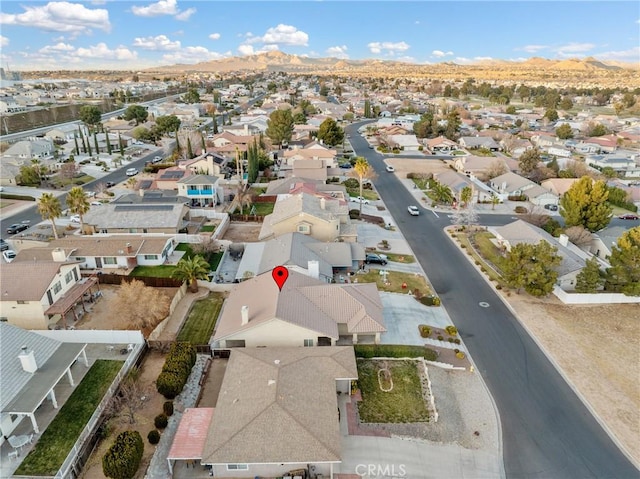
(551, 359)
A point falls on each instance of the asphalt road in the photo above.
(547, 431)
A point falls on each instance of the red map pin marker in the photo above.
(280, 275)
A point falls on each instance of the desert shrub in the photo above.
(430, 300)
(160, 421)
(153, 437)
(368, 351)
(440, 338)
(354, 214)
(176, 370)
(460, 355)
(451, 330)
(456, 340)
(520, 209)
(463, 245)
(122, 459)
(351, 183)
(167, 408)
(425, 331)
(498, 286)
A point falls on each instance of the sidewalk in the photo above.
(171, 329)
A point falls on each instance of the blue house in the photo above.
(201, 190)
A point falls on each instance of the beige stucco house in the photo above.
(306, 312)
(167, 218)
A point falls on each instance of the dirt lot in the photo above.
(149, 371)
(428, 165)
(242, 232)
(598, 348)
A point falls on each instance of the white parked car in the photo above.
(360, 199)
(95, 203)
(390, 169)
(9, 255)
(132, 171)
(75, 219)
(413, 210)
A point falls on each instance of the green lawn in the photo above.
(368, 194)
(487, 249)
(80, 180)
(208, 228)
(404, 403)
(214, 260)
(162, 271)
(186, 247)
(57, 440)
(395, 280)
(398, 258)
(199, 325)
(263, 209)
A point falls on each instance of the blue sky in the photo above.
(117, 34)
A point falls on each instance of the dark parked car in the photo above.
(17, 228)
(375, 258)
(3, 245)
(551, 207)
(629, 216)
(110, 184)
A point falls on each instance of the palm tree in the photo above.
(442, 193)
(191, 270)
(78, 203)
(243, 198)
(465, 195)
(50, 208)
(363, 171)
(494, 201)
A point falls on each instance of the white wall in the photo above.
(596, 298)
(94, 336)
(275, 333)
(270, 470)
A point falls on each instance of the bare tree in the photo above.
(466, 216)
(509, 142)
(131, 397)
(536, 216)
(140, 306)
(578, 235)
(206, 246)
(68, 170)
(496, 168)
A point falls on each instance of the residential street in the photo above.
(547, 430)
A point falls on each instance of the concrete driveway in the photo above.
(381, 457)
(402, 315)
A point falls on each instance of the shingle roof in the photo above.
(115, 215)
(303, 301)
(278, 405)
(27, 281)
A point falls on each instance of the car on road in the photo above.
(3, 245)
(360, 199)
(413, 210)
(17, 228)
(551, 207)
(376, 259)
(156, 159)
(346, 166)
(629, 216)
(131, 171)
(96, 203)
(9, 255)
(110, 184)
(390, 169)
(75, 219)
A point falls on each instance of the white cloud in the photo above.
(73, 18)
(193, 55)
(417, 22)
(103, 52)
(571, 49)
(245, 50)
(339, 51)
(406, 59)
(280, 35)
(388, 48)
(532, 48)
(4, 41)
(441, 54)
(57, 48)
(631, 55)
(163, 7)
(215, 36)
(159, 42)
(482, 59)
(184, 15)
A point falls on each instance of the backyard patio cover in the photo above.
(191, 435)
(71, 297)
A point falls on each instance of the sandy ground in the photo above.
(149, 371)
(242, 232)
(598, 349)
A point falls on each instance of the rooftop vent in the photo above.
(28, 360)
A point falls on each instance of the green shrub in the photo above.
(451, 330)
(153, 437)
(425, 331)
(460, 355)
(176, 370)
(430, 300)
(122, 459)
(354, 214)
(498, 286)
(440, 338)
(160, 421)
(167, 408)
(351, 183)
(368, 351)
(456, 340)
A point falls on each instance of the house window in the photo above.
(68, 277)
(150, 256)
(109, 260)
(80, 258)
(237, 467)
(308, 343)
(57, 288)
(21, 301)
(303, 229)
(103, 231)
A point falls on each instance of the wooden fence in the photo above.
(109, 278)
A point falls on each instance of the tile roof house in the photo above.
(457, 182)
(472, 142)
(105, 252)
(404, 142)
(325, 219)
(511, 184)
(297, 184)
(306, 312)
(558, 186)
(206, 164)
(31, 289)
(573, 259)
(32, 366)
(161, 217)
(603, 241)
(441, 144)
(277, 412)
(474, 165)
(301, 253)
